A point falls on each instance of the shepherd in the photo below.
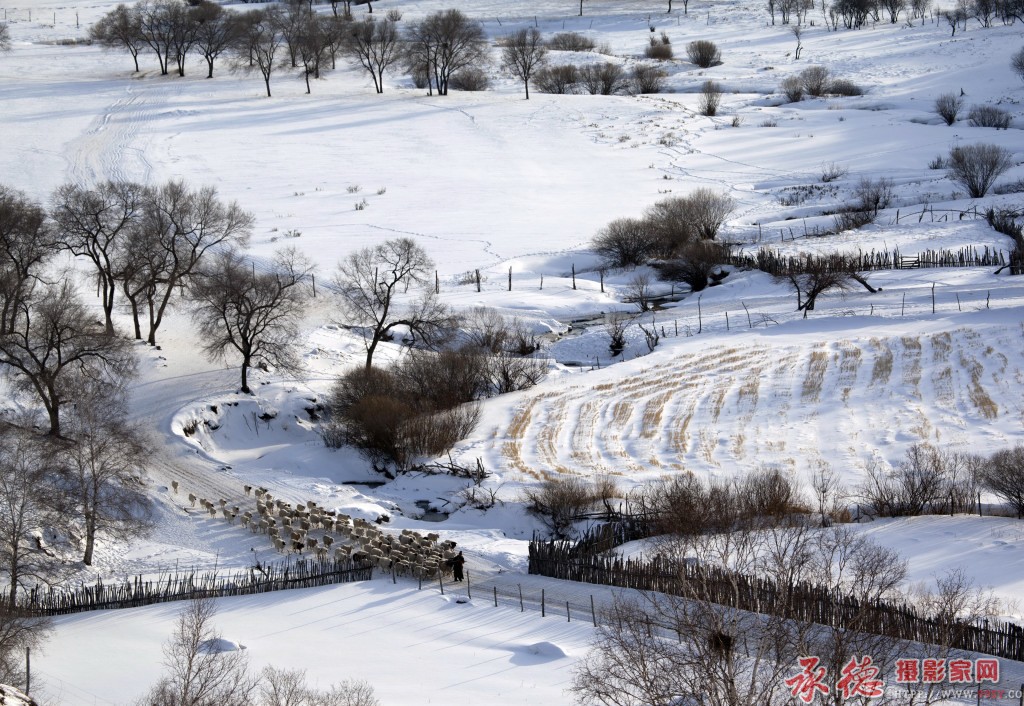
(457, 564)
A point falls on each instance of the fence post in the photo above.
(933, 297)
(593, 613)
(469, 588)
(440, 582)
(568, 615)
(574, 275)
(521, 608)
(495, 596)
(542, 611)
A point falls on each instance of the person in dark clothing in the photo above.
(457, 564)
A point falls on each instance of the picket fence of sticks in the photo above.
(798, 601)
(189, 585)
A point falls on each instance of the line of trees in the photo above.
(292, 35)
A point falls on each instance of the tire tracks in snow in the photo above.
(107, 149)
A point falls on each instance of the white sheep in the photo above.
(192, 499)
(174, 486)
(247, 489)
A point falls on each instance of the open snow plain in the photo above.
(489, 181)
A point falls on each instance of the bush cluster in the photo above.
(665, 229)
(422, 406)
(817, 81)
(603, 78)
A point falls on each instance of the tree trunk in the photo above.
(90, 537)
(245, 376)
(526, 85)
(267, 81)
(209, 62)
(12, 570)
(109, 288)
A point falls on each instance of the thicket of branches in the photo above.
(667, 230)
(401, 416)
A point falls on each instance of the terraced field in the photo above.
(720, 410)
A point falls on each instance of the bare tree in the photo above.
(825, 485)
(102, 464)
(252, 315)
(216, 34)
(625, 242)
(370, 283)
(815, 276)
(375, 46)
(30, 500)
(95, 223)
(19, 632)
(198, 673)
(156, 21)
(1003, 475)
(443, 44)
(119, 29)
(522, 54)
(26, 244)
(287, 687)
(55, 346)
(638, 289)
(976, 167)
(188, 223)
(260, 42)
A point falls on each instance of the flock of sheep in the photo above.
(291, 529)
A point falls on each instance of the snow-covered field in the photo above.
(489, 181)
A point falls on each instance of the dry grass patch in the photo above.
(650, 426)
(942, 344)
(815, 376)
(912, 364)
(979, 397)
(882, 368)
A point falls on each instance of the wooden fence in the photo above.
(774, 263)
(800, 601)
(190, 585)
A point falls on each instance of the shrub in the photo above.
(830, 171)
(709, 210)
(418, 409)
(571, 41)
(989, 116)
(816, 80)
(647, 79)
(1017, 64)
(695, 264)
(874, 195)
(845, 87)
(470, 79)
(976, 167)
(948, 107)
(661, 50)
(938, 162)
(556, 79)
(603, 79)
(710, 98)
(625, 242)
(704, 53)
(558, 500)
(793, 88)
